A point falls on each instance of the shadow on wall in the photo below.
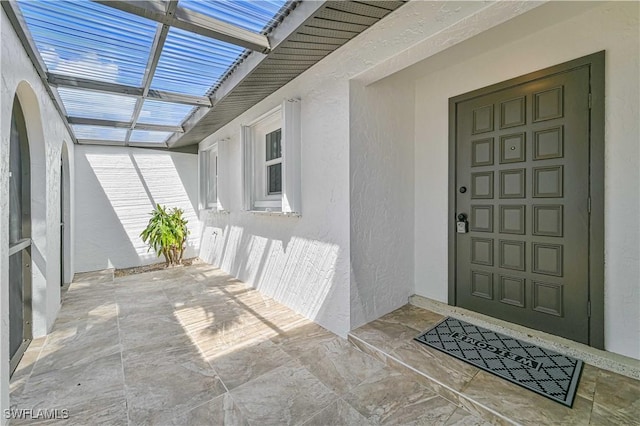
(296, 271)
(116, 189)
(187, 172)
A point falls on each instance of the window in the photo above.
(266, 141)
(209, 177)
(273, 162)
(271, 153)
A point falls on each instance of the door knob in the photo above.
(462, 217)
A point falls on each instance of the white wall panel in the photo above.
(116, 188)
(47, 133)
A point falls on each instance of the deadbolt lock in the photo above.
(462, 225)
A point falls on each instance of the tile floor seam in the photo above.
(459, 393)
(28, 377)
(195, 343)
(235, 404)
(452, 413)
(203, 404)
(124, 378)
(295, 360)
(466, 385)
(252, 379)
(302, 423)
(299, 366)
(208, 361)
(226, 388)
(350, 388)
(591, 411)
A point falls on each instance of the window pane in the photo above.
(274, 147)
(275, 178)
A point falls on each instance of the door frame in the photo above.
(66, 274)
(25, 244)
(27, 321)
(596, 64)
(62, 221)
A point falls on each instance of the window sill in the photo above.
(214, 211)
(272, 213)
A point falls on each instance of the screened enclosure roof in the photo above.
(168, 73)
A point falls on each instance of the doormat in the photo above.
(540, 370)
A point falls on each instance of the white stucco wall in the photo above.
(301, 261)
(116, 188)
(551, 34)
(306, 262)
(46, 133)
(381, 181)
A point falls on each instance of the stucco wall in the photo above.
(381, 197)
(300, 261)
(116, 188)
(46, 133)
(306, 262)
(551, 34)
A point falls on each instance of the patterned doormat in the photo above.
(543, 371)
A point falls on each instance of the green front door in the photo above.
(522, 193)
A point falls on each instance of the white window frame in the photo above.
(262, 199)
(204, 173)
(255, 174)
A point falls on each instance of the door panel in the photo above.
(16, 297)
(523, 152)
(19, 242)
(62, 221)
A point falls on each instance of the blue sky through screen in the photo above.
(252, 15)
(85, 39)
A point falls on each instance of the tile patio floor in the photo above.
(603, 397)
(194, 346)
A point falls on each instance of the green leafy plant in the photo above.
(167, 234)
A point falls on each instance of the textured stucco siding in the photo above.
(116, 189)
(382, 195)
(320, 264)
(300, 261)
(46, 133)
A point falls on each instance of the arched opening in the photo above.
(20, 291)
(45, 299)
